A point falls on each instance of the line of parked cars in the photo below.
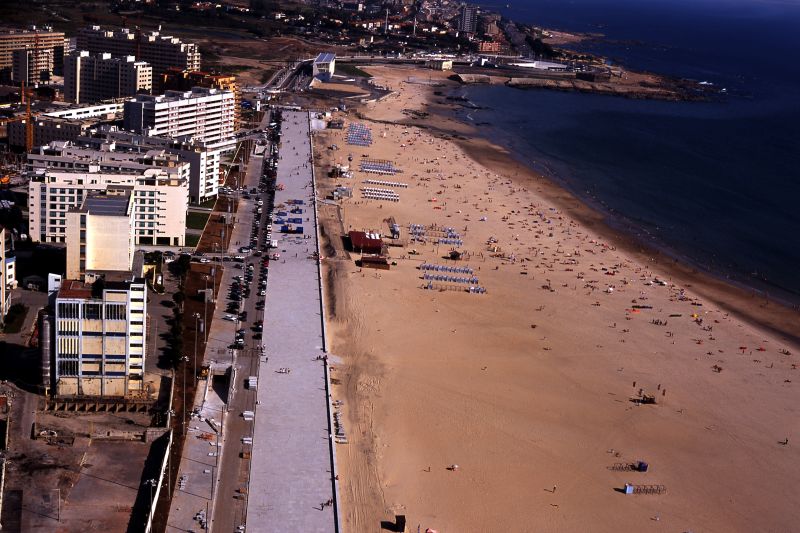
(260, 239)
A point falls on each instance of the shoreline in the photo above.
(533, 384)
(738, 300)
(772, 314)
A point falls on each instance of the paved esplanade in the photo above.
(290, 483)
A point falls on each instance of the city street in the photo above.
(222, 475)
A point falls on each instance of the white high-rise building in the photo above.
(201, 114)
(204, 162)
(89, 79)
(160, 51)
(160, 201)
(100, 233)
(100, 337)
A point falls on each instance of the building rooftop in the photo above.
(115, 205)
(325, 57)
(112, 280)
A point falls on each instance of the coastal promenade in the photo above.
(291, 480)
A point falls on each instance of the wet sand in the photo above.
(528, 388)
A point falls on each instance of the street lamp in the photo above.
(196, 324)
(152, 483)
(184, 359)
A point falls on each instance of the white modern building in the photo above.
(100, 337)
(100, 233)
(204, 161)
(62, 125)
(160, 51)
(201, 114)
(324, 66)
(67, 156)
(8, 276)
(92, 78)
(160, 198)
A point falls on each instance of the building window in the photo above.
(68, 310)
(91, 311)
(115, 312)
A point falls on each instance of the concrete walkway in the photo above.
(291, 472)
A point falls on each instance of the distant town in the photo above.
(163, 238)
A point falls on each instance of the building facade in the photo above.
(32, 66)
(324, 66)
(100, 338)
(160, 51)
(160, 202)
(92, 78)
(100, 233)
(201, 114)
(204, 162)
(7, 271)
(44, 39)
(183, 80)
(468, 19)
(64, 125)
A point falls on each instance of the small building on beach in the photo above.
(365, 243)
(324, 65)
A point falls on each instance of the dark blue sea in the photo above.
(717, 183)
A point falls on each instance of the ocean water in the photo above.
(716, 183)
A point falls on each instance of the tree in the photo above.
(179, 297)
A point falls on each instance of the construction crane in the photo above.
(28, 118)
(26, 96)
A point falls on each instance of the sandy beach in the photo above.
(533, 388)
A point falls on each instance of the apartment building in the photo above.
(40, 39)
(468, 18)
(202, 114)
(183, 80)
(100, 233)
(92, 78)
(160, 196)
(63, 125)
(32, 66)
(100, 337)
(67, 156)
(160, 51)
(204, 162)
(8, 277)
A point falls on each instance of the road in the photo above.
(292, 486)
(215, 470)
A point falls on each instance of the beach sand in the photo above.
(529, 387)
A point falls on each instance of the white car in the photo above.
(232, 318)
(262, 292)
